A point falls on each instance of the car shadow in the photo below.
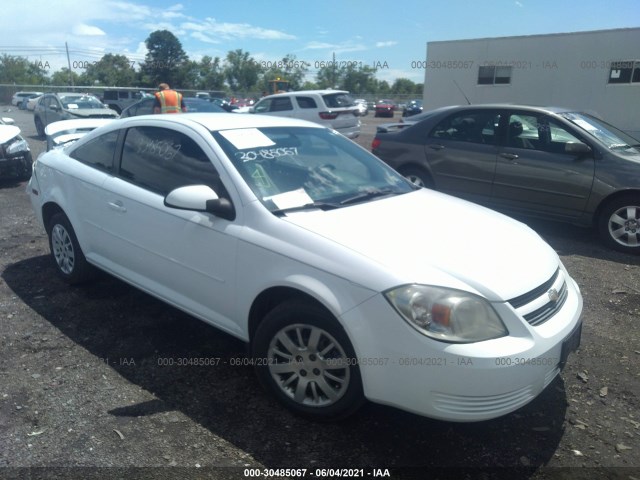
(11, 182)
(569, 239)
(115, 321)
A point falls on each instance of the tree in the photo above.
(210, 75)
(61, 77)
(164, 61)
(20, 70)
(112, 70)
(358, 79)
(241, 71)
(289, 68)
(329, 76)
(403, 86)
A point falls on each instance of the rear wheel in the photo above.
(305, 359)
(70, 262)
(619, 224)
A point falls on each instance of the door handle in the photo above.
(435, 146)
(117, 206)
(509, 156)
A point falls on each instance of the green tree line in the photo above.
(166, 61)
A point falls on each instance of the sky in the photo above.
(389, 35)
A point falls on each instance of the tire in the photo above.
(69, 260)
(619, 223)
(304, 358)
(417, 176)
(39, 127)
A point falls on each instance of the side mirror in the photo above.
(55, 108)
(252, 109)
(200, 198)
(8, 121)
(577, 148)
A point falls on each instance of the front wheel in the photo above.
(306, 360)
(70, 262)
(417, 176)
(619, 224)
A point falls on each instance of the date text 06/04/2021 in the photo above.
(317, 472)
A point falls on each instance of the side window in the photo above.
(306, 102)
(538, 133)
(263, 106)
(281, 104)
(470, 126)
(98, 153)
(160, 160)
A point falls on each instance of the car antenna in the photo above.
(462, 92)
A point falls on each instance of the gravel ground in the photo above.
(90, 385)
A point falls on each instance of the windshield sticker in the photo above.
(72, 106)
(294, 198)
(246, 138)
(260, 177)
(266, 153)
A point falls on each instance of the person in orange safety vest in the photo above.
(168, 100)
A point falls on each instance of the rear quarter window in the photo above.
(98, 153)
(338, 100)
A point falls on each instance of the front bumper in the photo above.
(17, 165)
(459, 382)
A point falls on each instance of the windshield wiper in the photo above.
(368, 194)
(306, 206)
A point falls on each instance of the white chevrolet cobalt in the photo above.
(348, 282)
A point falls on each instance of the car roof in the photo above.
(215, 121)
(538, 108)
(306, 92)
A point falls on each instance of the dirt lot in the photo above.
(86, 390)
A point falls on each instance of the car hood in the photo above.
(427, 237)
(7, 132)
(93, 112)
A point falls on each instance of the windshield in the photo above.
(613, 138)
(297, 167)
(80, 101)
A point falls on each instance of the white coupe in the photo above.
(348, 282)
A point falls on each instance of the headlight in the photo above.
(17, 145)
(447, 315)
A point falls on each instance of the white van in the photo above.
(334, 109)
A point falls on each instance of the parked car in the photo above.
(224, 104)
(53, 107)
(118, 100)
(65, 132)
(385, 108)
(15, 154)
(363, 107)
(25, 101)
(294, 239)
(330, 108)
(552, 163)
(33, 101)
(404, 122)
(18, 97)
(145, 107)
(414, 107)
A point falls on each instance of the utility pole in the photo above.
(69, 63)
(333, 71)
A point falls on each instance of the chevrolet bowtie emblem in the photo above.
(554, 296)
